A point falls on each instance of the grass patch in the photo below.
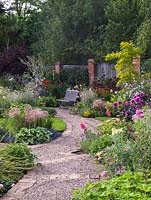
(102, 119)
(58, 124)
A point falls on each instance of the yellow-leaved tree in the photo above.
(126, 71)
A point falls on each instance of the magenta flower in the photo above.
(138, 99)
(115, 104)
(126, 103)
(142, 94)
(132, 102)
(119, 102)
(135, 97)
(137, 107)
(104, 174)
(83, 126)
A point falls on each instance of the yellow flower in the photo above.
(116, 131)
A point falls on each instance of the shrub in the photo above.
(87, 96)
(128, 186)
(126, 109)
(33, 136)
(94, 143)
(52, 112)
(47, 101)
(128, 148)
(71, 76)
(10, 60)
(124, 66)
(15, 159)
(108, 126)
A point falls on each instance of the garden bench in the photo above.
(70, 98)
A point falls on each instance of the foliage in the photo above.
(99, 106)
(35, 67)
(128, 148)
(125, 68)
(143, 84)
(124, 18)
(94, 143)
(60, 24)
(127, 186)
(58, 124)
(146, 66)
(87, 96)
(10, 60)
(54, 88)
(108, 126)
(32, 136)
(74, 75)
(49, 101)
(15, 159)
(52, 112)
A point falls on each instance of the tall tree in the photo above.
(123, 21)
(144, 30)
(69, 30)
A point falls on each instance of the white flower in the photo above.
(1, 186)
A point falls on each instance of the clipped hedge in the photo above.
(74, 76)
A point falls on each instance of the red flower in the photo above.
(45, 82)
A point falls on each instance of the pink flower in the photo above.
(108, 113)
(83, 126)
(14, 112)
(104, 174)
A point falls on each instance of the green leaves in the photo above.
(129, 186)
(126, 71)
(33, 136)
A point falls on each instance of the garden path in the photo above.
(60, 171)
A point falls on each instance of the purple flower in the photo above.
(115, 104)
(142, 94)
(142, 102)
(138, 99)
(119, 102)
(126, 103)
(137, 107)
(132, 102)
(135, 96)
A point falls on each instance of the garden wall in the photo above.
(86, 73)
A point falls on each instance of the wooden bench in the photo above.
(70, 98)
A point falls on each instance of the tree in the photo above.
(123, 22)
(125, 68)
(73, 30)
(144, 30)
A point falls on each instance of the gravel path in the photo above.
(60, 171)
